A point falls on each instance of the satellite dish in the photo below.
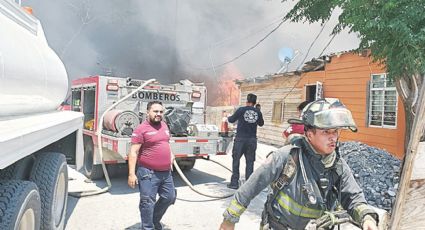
(286, 54)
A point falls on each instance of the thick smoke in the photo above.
(174, 40)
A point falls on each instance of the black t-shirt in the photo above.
(248, 118)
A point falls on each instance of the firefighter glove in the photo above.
(330, 219)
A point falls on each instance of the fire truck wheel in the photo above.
(186, 164)
(20, 206)
(90, 170)
(50, 173)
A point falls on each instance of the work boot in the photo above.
(232, 186)
(158, 226)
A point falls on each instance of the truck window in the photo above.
(76, 100)
(89, 104)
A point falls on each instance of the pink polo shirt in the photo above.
(155, 152)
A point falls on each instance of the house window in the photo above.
(277, 111)
(382, 102)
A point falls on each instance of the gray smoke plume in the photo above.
(172, 40)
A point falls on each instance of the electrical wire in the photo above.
(246, 51)
(252, 47)
(311, 45)
(305, 56)
(279, 18)
(238, 38)
(327, 45)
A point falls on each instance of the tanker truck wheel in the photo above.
(20, 206)
(19, 170)
(50, 173)
(91, 171)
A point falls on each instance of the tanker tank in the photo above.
(32, 77)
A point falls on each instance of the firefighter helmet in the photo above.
(326, 114)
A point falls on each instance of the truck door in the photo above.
(84, 100)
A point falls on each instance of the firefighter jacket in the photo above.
(294, 204)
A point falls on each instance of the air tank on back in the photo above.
(32, 77)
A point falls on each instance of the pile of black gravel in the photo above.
(376, 171)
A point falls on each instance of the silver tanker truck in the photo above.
(36, 139)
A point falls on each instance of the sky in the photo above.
(172, 40)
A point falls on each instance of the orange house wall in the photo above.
(346, 77)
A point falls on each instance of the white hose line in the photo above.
(179, 171)
(99, 145)
(222, 165)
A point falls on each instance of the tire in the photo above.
(186, 164)
(117, 170)
(50, 173)
(20, 170)
(20, 206)
(91, 171)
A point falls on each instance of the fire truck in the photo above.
(184, 103)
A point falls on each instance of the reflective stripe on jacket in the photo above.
(295, 208)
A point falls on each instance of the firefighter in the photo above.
(309, 179)
(245, 143)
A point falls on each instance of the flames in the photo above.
(222, 91)
(225, 91)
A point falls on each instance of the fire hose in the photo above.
(330, 220)
(99, 145)
(184, 178)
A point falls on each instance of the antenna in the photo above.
(286, 55)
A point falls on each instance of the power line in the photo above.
(327, 45)
(249, 34)
(252, 47)
(247, 51)
(293, 87)
(311, 45)
(241, 37)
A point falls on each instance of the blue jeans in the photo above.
(246, 147)
(152, 183)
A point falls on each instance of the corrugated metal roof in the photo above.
(314, 64)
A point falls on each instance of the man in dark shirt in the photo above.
(245, 143)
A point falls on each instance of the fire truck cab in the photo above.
(185, 104)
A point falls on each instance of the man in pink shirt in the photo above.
(151, 151)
